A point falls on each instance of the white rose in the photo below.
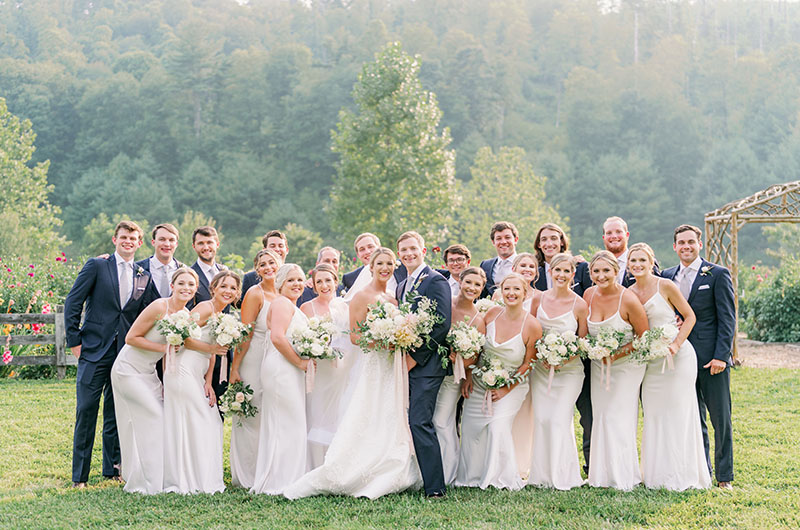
(239, 397)
(561, 349)
(224, 339)
(551, 339)
(236, 406)
(317, 349)
(195, 332)
(568, 336)
(489, 378)
(174, 339)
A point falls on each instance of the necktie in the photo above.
(124, 284)
(686, 284)
(163, 287)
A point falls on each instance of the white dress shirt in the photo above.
(411, 280)
(125, 267)
(691, 271)
(502, 268)
(622, 261)
(209, 270)
(455, 287)
(548, 275)
(162, 274)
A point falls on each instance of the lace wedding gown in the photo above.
(371, 454)
(672, 442)
(245, 431)
(139, 408)
(192, 429)
(554, 460)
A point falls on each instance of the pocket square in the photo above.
(704, 287)
(140, 288)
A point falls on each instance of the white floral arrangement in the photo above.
(557, 348)
(227, 330)
(400, 329)
(313, 340)
(494, 375)
(179, 326)
(237, 400)
(485, 304)
(654, 343)
(465, 340)
(605, 343)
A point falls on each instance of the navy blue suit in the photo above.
(145, 264)
(250, 279)
(425, 379)
(711, 299)
(488, 267)
(204, 293)
(101, 337)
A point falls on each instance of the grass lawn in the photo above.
(36, 451)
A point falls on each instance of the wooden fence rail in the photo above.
(58, 339)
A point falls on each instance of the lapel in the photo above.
(490, 270)
(111, 267)
(139, 283)
(421, 277)
(398, 292)
(201, 275)
(697, 279)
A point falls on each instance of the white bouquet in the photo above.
(400, 329)
(313, 340)
(557, 348)
(228, 330)
(179, 326)
(238, 401)
(485, 304)
(493, 375)
(654, 344)
(602, 346)
(466, 342)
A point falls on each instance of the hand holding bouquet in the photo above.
(493, 375)
(466, 342)
(602, 346)
(313, 341)
(557, 348)
(654, 344)
(227, 331)
(237, 400)
(176, 328)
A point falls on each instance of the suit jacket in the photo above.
(309, 294)
(145, 264)
(434, 286)
(250, 279)
(581, 282)
(203, 291)
(105, 322)
(349, 279)
(711, 299)
(488, 267)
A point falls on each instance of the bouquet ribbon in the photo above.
(311, 372)
(401, 376)
(486, 407)
(550, 378)
(459, 372)
(605, 372)
(223, 368)
(667, 362)
(170, 362)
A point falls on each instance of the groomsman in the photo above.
(327, 255)
(162, 263)
(552, 238)
(353, 281)
(615, 239)
(273, 240)
(504, 237)
(425, 374)
(709, 290)
(114, 291)
(205, 242)
(456, 259)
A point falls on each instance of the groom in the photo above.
(425, 374)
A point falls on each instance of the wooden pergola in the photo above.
(779, 203)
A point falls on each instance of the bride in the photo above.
(371, 454)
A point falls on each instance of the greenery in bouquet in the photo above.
(179, 326)
(654, 343)
(493, 374)
(238, 401)
(228, 330)
(605, 343)
(313, 340)
(465, 341)
(557, 348)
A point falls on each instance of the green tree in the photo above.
(503, 187)
(395, 172)
(28, 220)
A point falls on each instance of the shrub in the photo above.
(768, 308)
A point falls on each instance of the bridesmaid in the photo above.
(554, 461)
(139, 405)
(444, 417)
(525, 265)
(672, 442)
(488, 448)
(615, 403)
(282, 441)
(246, 366)
(324, 403)
(193, 428)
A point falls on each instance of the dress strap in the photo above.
(590, 304)
(313, 309)
(619, 305)
(471, 320)
(574, 301)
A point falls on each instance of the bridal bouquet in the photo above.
(654, 344)
(466, 342)
(602, 346)
(494, 375)
(238, 400)
(401, 329)
(313, 340)
(485, 304)
(227, 330)
(176, 328)
(557, 348)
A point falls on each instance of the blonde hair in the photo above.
(562, 256)
(607, 256)
(514, 276)
(184, 270)
(283, 274)
(267, 252)
(616, 219)
(643, 247)
(522, 256)
(366, 234)
(410, 234)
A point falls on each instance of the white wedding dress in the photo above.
(554, 460)
(672, 442)
(495, 450)
(139, 408)
(192, 428)
(324, 408)
(282, 450)
(371, 454)
(245, 431)
(614, 461)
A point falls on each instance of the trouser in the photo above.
(94, 382)
(714, 396)
(422, 403)
(584, 405)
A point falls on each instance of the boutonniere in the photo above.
(413, 293)
(705, 271)
(139, 271)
